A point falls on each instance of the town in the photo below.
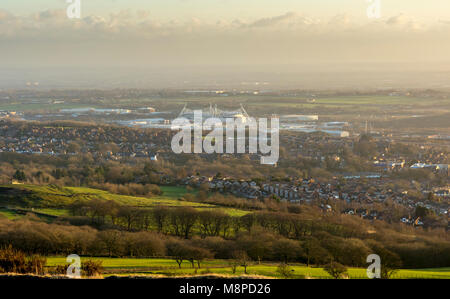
(365, 175)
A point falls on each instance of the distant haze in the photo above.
(297, 46)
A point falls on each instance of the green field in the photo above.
(43, 105)
(9, 214)
(157, 266)
(53, 200)
(371, 100)
(170, 197)
(323, 101)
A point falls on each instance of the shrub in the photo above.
(60, 269)
(336, 270)
(36, 264)
(284, 270)
(92, 268)
(15, 261)
(12, 261)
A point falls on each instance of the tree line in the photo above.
(182, 234)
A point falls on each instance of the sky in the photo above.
(217, 9)
(225, 35)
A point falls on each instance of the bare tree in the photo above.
(183, 220)
(335, 269)
(242, 259)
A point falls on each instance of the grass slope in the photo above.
(53, 200)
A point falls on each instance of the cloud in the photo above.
(49, 22)
(131, 37)
(405, 22)
(398, 20)
(4, 15)
(266, 22)
(50, 15)
(341, 19)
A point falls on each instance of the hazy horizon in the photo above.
(225, 43)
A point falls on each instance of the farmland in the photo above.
(168, 267)
(261, 104)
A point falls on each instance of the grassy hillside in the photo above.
(53, 200)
